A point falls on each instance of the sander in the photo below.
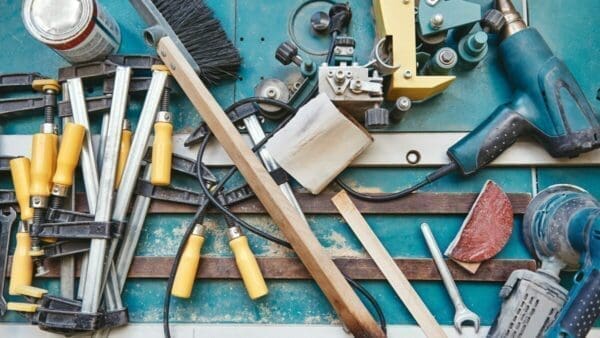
(561, 227)
(547, 104)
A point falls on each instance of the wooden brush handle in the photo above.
(329, 278)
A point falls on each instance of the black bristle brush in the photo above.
(192, 25)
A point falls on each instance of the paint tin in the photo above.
(78, 30)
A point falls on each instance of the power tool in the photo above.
(547, 104)
(561, 227)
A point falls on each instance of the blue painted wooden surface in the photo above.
(257, 27)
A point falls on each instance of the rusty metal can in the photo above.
(78, 30)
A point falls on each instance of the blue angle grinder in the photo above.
(561, 227)
(547, 104)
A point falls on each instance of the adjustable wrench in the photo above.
(7, 218)
(462, 314)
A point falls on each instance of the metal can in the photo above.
(78, 30)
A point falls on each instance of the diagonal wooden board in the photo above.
(338, 291)
(387, 266)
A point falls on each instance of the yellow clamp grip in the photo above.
(22, 307)
(41, 85)
(43, 156)
(21, 272)
(20, 170)
(123, 154)
(162, 151)
(32, 291)
(248, 267)
(68, 154)
(188, 267)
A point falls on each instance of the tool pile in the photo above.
(123, 169)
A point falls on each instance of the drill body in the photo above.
(547, 104)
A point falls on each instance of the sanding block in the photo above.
(486, 229)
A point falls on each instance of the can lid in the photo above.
(56, 20)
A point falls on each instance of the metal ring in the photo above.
(413, 157)
(292, 21)
(386, 69)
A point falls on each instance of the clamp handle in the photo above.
(248, 267)
(21, 273)
(123, 153)
(162, 150)
(68, 154)
(43, 159)
(20, 169)
(188, 267)
(22, 307)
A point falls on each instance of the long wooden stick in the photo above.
(348, 306)
(387, 266)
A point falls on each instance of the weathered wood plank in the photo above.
(417, 203)
(417, 269)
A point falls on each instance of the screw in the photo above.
(436, 21)
(447, 57)
(403, 103)
(320, 21)
(407, 74)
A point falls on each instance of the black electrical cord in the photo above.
(201, 212)
(200, 173)
(395, 195)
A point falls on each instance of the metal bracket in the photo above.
(18, 106)
(64, 216)
(66, 248)
(18, 81)
(94, 70)
(78, 230)
(64, 316)
(98, 104)
(188, 197)
(454, 13)
(7, 197)
(5, 163)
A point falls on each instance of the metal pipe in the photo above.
(97, 263)
(103, 135)
(257, 134)
(67, 263)
(88, 160)
(139, 145)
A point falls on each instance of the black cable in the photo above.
(395, 195)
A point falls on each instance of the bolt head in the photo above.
(436, 21)
(407, 74)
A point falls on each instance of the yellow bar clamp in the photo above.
(247, 264)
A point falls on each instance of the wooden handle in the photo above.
(351, 310)
(248, 267)
(123, 155)
(21, 273)
(162, 154)
(68, 154)
(188, 267)
(387, 266)
(20, 170)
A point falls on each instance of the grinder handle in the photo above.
(486, 142)
(582, 308)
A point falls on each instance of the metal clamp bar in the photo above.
(98, 104)
(138, 85)
(135, 62)
(66, 248)
(18, 81)
(185, 166)
(19, 106)
(92, 291)
(5, 164)
(7, 197)
(78, 230)
(131, 171)
(63, 216)
(87, 71)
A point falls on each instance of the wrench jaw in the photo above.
(464, 316)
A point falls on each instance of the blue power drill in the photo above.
(561, 227)
(547, 104)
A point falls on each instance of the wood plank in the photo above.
(417, 203)
(395, 277)
(289, 268)
(340, 294)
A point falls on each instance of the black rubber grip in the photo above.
(585, 308)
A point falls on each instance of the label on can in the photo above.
(93, 35)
